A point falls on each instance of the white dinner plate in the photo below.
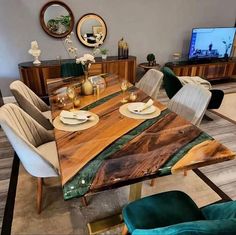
(70, 121)
(74, 121)
(133, 106)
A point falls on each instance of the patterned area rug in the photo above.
(227, 109)
(70, 217)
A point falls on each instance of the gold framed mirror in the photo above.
(56, 19)
(91, 30)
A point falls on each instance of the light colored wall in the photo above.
(159, 26)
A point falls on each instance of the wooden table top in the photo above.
(120, 151)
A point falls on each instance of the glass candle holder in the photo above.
(132, 96)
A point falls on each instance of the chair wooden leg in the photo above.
(152, 183)
(39, 194)
(185, 173)
(125, 230)
(84, 201)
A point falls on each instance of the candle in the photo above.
(133, 96)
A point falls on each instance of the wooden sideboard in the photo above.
(211, 71)
(35, 76)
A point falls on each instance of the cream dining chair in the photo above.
(190, 102)
(31, 104)
(151, 82)
(34, 145)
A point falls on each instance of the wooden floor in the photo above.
(223, 174)
(6, 156)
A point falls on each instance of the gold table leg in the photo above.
(135, 192)
(107, 223)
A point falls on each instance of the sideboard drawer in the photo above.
(95, 69)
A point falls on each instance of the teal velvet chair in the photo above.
(71, 70)
(175, 213)
(172, 85)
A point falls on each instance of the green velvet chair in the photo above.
(71, 70)
(172, 85)
(175, 213)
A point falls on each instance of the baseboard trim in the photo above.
(9, 99)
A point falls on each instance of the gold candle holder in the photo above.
(76, 102)
(132, 96)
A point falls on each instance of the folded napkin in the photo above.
(145, 106)
(74, 115)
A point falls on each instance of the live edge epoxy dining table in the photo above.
(120, 151)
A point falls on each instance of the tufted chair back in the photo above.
(151, 82)
(25, 136)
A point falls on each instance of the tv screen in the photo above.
(209, 43)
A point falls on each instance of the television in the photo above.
(211, 43)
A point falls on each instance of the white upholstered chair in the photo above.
(151, 82)
(32, 104)
(34, 145)
(190, 102)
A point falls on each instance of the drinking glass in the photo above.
(71, 95)
(124, 87)
(61, 103)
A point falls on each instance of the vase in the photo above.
(87, 86)
(104, 57)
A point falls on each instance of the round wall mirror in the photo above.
(56, 19)
(91, 30)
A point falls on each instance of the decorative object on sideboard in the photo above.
(133, 96)
(91, 30)
(87, 86)
(123, 49)
(176, 57)
(227, 47)
(70, 47)
(56, 19)
(35, 52)
(151, 59)
(101, 51)
(104, 52)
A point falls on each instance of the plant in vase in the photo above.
(151, 59)
(104, 52)
(86, 60)
(101, 51)
(227, 46)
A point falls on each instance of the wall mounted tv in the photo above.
(211, 43)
